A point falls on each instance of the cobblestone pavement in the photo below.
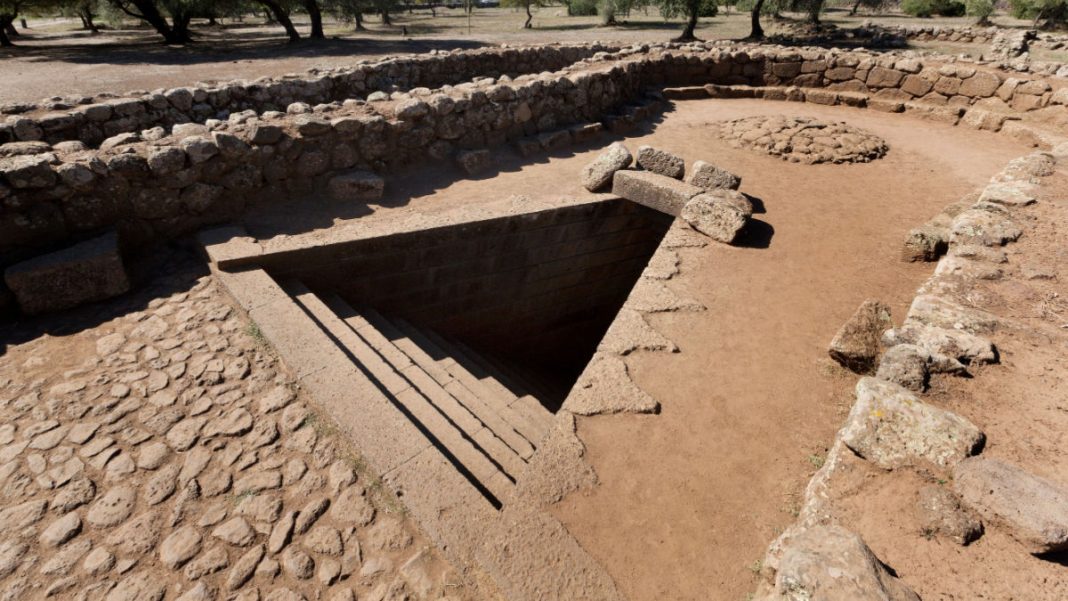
(153, 448)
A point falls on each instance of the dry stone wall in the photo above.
(153, 186)
(92, 120)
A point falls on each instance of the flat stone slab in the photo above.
(891, 427)
(655, 191)
(1031, 509)
(86, 272)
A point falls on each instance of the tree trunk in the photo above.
(281, 15)
(691, 24)
(316, 15)
(756, 32)
(10, 30)
(86, 16)
(150, 14)
(180, 27)
(385, 17)
(530, 18)
(856, 7)
(5, 22)
(359, 21)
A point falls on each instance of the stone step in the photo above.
(435, 383)
(527, 382)
(442, 424)
(497, 418)
(496, 395)
(524, 404)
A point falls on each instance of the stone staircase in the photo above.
(483, 417)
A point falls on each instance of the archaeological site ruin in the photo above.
(672, 321)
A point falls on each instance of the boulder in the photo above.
(830, 563)
(708, 176)
(655, 191)
(941, 513)
(889, 426)
(1014, 194)
(1031, 509)
(658, 161)
(926, 243)
(89, 271)
(986, 224)
(598, 174)
(356, 185)
(906, 366)
(718, 214)
(856, 345)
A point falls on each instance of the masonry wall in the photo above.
(543, 286)
(92, 120)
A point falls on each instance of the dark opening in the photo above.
(526, 297)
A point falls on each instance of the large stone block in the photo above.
(86, 272)
(892, 428)
(598, 174)
(830, 562)
(659, 161)
(718, 214)
(659, 192)
(1031, 509)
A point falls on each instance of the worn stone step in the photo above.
(421, 374)
(482, 408)
(439, 422)
(496, 395)
(524, 404)
(528, 382)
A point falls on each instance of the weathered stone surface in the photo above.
(86, 272)
(708, 176)
(598, 174)
(941, 513)
(906, 366)
(1014, 194)
(605, 387)
(926, 243)
(235, 531)
(113, 507)
(181, 546)
(856, 345)
(891, 427)
(61, 530)
(629, 332)
(356, 185)
(951, 343)
(655, 191)
(987, 225)
(719, 214)
(1033, 510)
(832, 563)
(661, 162)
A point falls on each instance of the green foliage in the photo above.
(927, 8)
(980, 9)
(1050, 11)
(582, 8)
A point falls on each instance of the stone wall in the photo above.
(92, 120)
(154, 186)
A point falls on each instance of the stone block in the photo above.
(89, 271)
(856, 345)
(356, 185)
(1031, 509)
(658, 161)
(598, 174)
(475, 162)
(709, 177)
(655, 191)
(719, 214)
(889, 426)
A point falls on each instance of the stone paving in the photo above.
(161, 452)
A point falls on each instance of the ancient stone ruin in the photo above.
(394, 374)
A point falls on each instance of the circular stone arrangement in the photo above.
(804, 140)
